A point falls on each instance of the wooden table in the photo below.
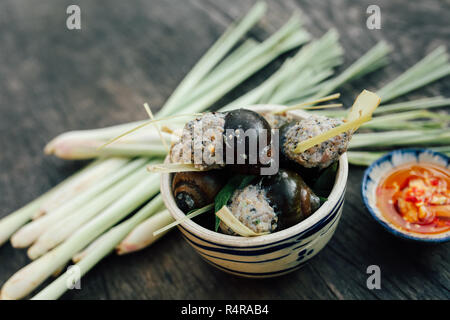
(54, 80)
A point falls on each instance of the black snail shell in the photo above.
(243, 126)
(194, 190)
(290, 197)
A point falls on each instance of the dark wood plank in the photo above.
(53, 80)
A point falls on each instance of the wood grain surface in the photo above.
(53, 80)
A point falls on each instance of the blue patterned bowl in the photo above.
(380, 168)
(268, 255)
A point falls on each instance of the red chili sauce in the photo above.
(416, 197)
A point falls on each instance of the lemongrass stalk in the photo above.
(270, 53)
(363, 158)
(31, 276)
(26, 235)
(142, 235)
(419, 104)
(92, 134)
(427, 103)
(94, 150)
(247, 46)
(94, 173)
(15, 220)
(408, 115)
(366, 158)
(443, 149)
(374, 57)
(442, 72)
(305, 58)
(290, 90)
(293, 25)
(104, 237)
(406, 125)
(64, 228)
(72, 143)
(431, 68)
(102, 249)
(400, 138)
(212, 57)
(89, 248)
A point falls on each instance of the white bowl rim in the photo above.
(238, 241)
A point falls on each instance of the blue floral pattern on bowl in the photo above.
(380, 168)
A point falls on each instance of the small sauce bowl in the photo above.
(379, 170)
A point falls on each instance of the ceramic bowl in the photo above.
(268, 255)
(378, 171)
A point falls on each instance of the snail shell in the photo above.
(194, 190)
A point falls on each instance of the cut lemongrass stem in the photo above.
(143, 235)
(64, 228)
(31, 276)
(361, 112)
(189, 216)
(150, 114)
(172, 167)
(304, 105)
(109, 241)
(227, 217)
(26, 235)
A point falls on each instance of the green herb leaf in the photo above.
(224, 195)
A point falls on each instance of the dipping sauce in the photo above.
(416, 197)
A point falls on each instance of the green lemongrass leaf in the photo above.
(431, 68)
(374, 57)
(400, 138)
(224, 195)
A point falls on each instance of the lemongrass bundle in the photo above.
(102, 249)
(67, 226)
(26, 235)
(31, 276)
(39, 206)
